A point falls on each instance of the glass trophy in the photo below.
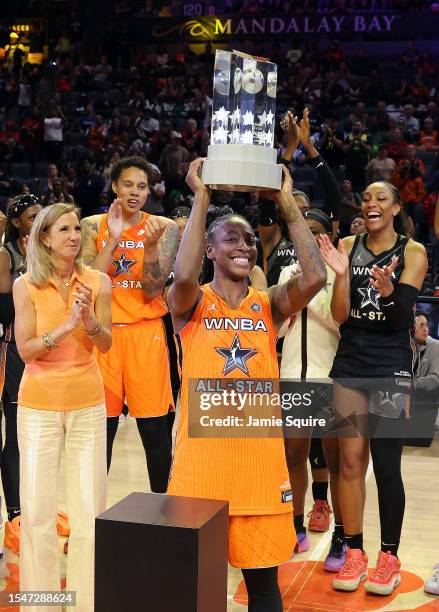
(241, 156)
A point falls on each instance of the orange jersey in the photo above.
(222, 342)
(129, 303)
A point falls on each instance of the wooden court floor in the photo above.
(304, 584)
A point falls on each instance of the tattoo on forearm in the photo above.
(87, 228)
(156, 273)
(308, 254)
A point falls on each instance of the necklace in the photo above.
(65, 283)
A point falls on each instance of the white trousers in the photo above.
(41, 435)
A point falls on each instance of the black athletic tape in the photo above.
(7, 312)
(398, 305)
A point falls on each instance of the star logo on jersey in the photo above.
(369, 296)
(123, 265)
(236, 357)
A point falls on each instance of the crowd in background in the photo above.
(64, 124)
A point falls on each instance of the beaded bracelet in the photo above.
(49, 342)
(97, 331)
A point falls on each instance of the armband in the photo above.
(398, 305)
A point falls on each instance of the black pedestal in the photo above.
(162, 553)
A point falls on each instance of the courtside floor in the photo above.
(304, 584)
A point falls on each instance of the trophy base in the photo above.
(236, 167)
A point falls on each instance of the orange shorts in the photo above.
(261, 541)
(137, 368)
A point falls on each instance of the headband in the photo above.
(320, 216)
(23, 203)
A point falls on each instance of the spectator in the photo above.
(381, 118)
(358, 225)
(88, 119)
(428, 139)
(170, 162)
(380, 168)
(88, 189)
(58, 194)
(46, 186)
(356, 148)
(154, 202)
(396, 145)
(350, 206)
(330, 145)
(97, 135)
(146, 124)
(410, 123)
(32, 134)
(54, 122)
(426, 370)
(410, 154)
(117, 136)
(192, 137)
(412, 189)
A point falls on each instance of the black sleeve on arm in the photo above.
(7, 312)
(329, 184)
(398, 306)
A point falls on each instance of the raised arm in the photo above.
(185, 290)
(297, 292)
(90, 227)
(161, 243)
(338, 261)
(324, 172)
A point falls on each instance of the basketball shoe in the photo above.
(385, 577)
(319, 516)
(353, 571)
(432, 584)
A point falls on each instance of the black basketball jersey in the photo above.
(281, 256)
(366, 312)
(17, 267)
(369, 347)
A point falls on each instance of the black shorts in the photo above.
(11, 371)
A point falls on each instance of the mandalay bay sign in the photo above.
(221, 28)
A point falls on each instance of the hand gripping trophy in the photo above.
(241, 156)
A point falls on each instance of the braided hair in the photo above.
(400, 220)
(15, 209)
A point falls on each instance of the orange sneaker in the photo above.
(319, 516)
(353, 571)
(12, 535)
(62, 524)
(385, 576)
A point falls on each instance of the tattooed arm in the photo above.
(297, 292)
(184, 293)
(90, 227)
(161, 243)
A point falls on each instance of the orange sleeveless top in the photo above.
(250, 473)
(66, 378)
(129, 303)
